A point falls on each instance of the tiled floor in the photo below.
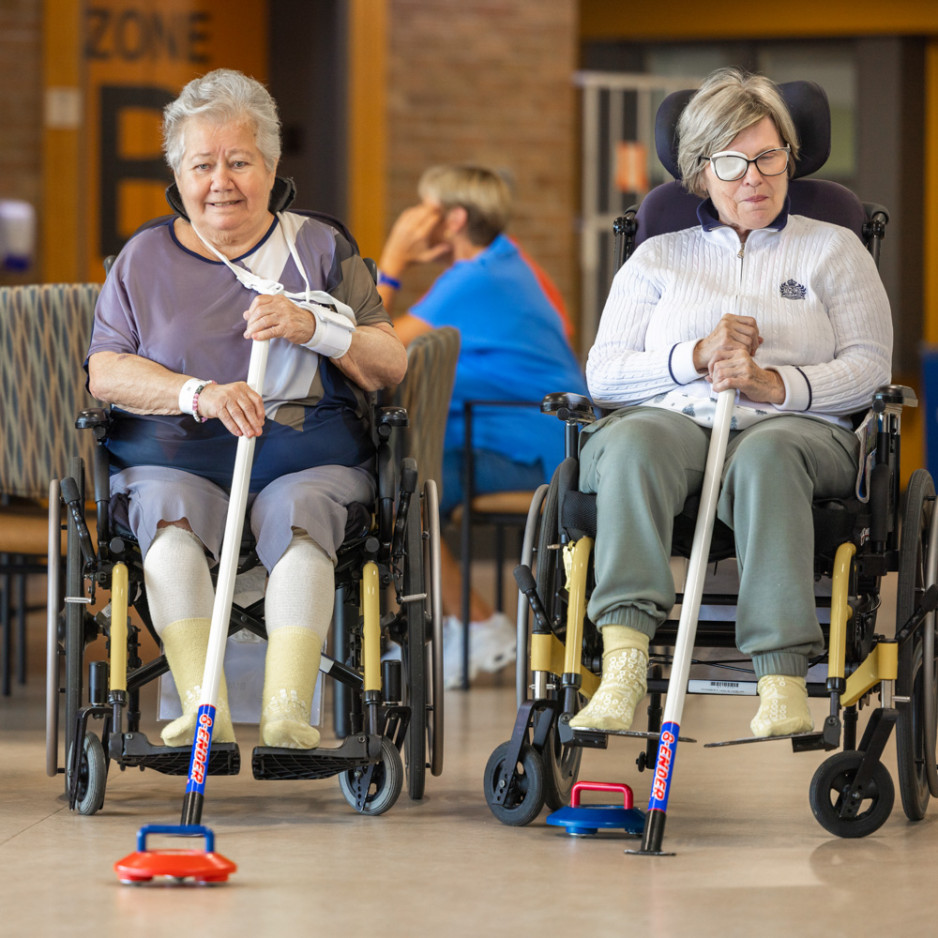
(750, 858)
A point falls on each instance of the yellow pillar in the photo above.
(62, 209)
(930, 246)
(367, 123)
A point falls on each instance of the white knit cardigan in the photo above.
(812, 288)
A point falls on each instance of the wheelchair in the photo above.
(857, 543)
(388, 713)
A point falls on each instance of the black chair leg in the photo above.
(21, 611)
(6, 637)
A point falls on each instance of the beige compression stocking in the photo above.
(289, 680)
(185, 643)
(623, 684)
(783, 707)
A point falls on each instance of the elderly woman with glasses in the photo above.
(791, 314)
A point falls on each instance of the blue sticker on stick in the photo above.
(664, 767)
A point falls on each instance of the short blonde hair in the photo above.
(482, 192)
(729, 101)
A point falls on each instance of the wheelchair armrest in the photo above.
(91, 418)
(389, 418)
(567, 406)
(895, 395)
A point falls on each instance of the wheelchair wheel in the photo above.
(917, 677)
(92, 775)
(372, 789)
(826, 794)
(525, 789)
(561, 762)
(433, 585)
(561, 768)
(415, 652)
(73, 620)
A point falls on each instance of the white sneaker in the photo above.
(452, 652)
(492, 645)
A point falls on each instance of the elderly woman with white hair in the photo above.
(169, 351)
(787, 311)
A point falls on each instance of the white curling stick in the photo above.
(224, 594)
(687, 625)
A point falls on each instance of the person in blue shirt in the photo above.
(513, 347)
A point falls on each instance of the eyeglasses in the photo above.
(729, 165)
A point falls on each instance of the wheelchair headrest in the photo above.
(281, 196)
(810, 110)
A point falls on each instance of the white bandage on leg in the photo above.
(177, 578)
(301, 588)
(298, 609)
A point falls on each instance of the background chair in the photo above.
(44, 332)
(425, 393)
(502, 511)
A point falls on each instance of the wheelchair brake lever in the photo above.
(68, 489)
(526, 583)
(407, 489)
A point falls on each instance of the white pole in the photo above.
(221, 611)
(231, 545)
(687, 625)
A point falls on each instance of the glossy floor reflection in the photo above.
(749, 857)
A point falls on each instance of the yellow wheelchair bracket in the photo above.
(881, 664)
(548, 654)
(371, 628)
(576, 608)
(118, 636)
(840, 611)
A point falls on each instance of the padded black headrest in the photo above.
(809, 108)
(281, 196)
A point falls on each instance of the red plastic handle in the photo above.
(620, 787)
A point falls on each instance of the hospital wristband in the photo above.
(186, 393)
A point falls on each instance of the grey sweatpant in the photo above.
(643, 462)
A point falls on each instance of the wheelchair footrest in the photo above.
(599, 739)
(136, 750)
(800, 742)
(277, 763)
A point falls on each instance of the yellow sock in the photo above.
(290, 674)
(185, 643)
(783, 706)
(623, 684)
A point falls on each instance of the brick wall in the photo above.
(489, 81)
(20, 106)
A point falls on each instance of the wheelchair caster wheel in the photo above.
(830, 785)
(92, 776)
(373, 788)
(524, 797)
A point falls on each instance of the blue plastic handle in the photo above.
(176, 830)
